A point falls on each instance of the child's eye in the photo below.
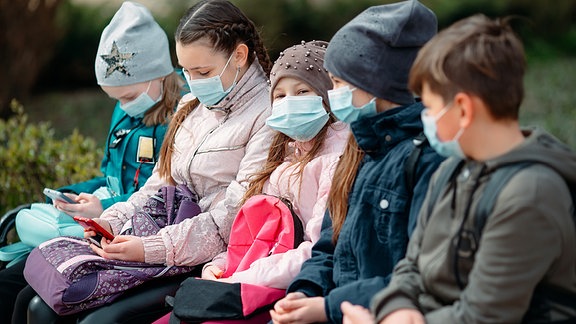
(279, 96)
(204, 73)
(302, 91)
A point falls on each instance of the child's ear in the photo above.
(241, 55)
(467, 106)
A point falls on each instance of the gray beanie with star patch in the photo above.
(133, 48)
(376, 49)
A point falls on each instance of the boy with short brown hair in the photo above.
(519, 263)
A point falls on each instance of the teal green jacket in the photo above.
(120, 163)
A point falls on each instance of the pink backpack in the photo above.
(265, 225)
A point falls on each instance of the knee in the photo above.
(39, 312)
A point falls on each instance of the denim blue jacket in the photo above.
(381, 214)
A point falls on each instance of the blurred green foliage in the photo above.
(547, 28)
(31, 159)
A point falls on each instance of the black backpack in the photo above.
(467, 243)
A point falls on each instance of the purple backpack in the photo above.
(70, 277)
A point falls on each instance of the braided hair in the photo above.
(225, 27)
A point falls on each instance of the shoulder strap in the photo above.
(298, 227)
(446, 175)
(497, 181)
(412, 161)
(499, 178)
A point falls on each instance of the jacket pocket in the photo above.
(391, 220)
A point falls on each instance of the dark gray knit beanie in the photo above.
(376, 49)
(304, 62)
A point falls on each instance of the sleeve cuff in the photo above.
(400, 302)
(154, 249)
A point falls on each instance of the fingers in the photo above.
(355, 314)
(295, 295)
(123, 247)
(293, 301)
(285, 318)
(212, 272)
(89, 233)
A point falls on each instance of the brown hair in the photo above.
(475, 55)
(225, 27)
(163, 110)
(342, 185)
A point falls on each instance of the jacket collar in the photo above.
(336, 137)
(378, 134)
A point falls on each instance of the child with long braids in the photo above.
(301, 163)
(215, 140)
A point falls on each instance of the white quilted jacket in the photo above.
(215, 150)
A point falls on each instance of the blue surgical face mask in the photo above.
(137, 107)
(210, 91)
(298, 117)
(446, 148)
(341, 105)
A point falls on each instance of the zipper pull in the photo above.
(273, 248)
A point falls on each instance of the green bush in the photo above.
(31, 159)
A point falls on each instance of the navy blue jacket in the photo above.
(381, 214)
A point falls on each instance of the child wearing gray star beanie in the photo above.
(375, 50)
(133, 48)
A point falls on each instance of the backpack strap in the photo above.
(499, 178)
(485, 207)
(449, 171)
(412, 161)
(298, 226)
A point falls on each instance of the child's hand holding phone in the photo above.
(91, 225)
(57, 195)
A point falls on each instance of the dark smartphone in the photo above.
(91, 224)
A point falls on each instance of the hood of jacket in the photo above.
(541, 147)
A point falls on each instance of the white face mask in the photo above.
(210, 91)
(446, 148)
(137, 107)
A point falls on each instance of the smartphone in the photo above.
(57, 195)
(91, 224)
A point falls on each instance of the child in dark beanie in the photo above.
(372, 206)
(511, 262)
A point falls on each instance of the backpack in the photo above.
(467, 243)
(264, 225)
(70, 277)
(35, 225)
(41, 222)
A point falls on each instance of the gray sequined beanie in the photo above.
(133, 48)
(304, 62)
(376, 49)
